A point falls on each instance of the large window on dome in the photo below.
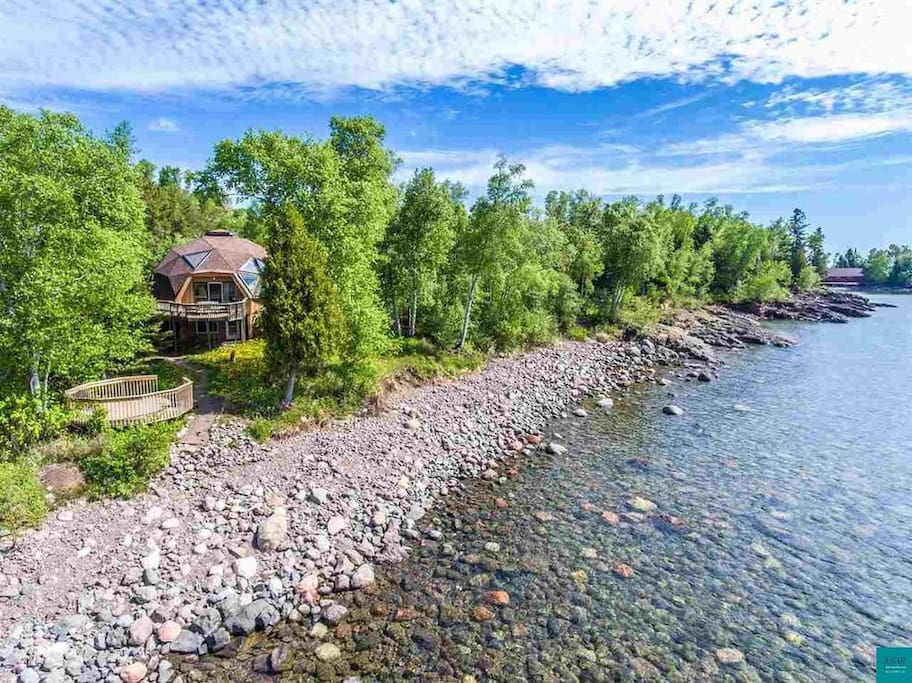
(196, 258)
(252, 283)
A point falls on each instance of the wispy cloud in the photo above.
(672, 106)
(163, 125)
(738, 166)
(323, 45)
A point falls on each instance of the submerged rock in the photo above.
(729, 656)
(641, 504)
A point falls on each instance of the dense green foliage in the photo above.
(127, 461)
(72, 253)
(417, 248)
(366, 283)
(341, 188)
(24, 421)
(301, 320)
(890, 267)
(174, 214)
(22, 502)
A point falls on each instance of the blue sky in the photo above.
(767, 104)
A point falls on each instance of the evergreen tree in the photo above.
(797, 230)
(301, 320)
(819, 258)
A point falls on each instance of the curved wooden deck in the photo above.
(133, 400)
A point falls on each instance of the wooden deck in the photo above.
(206, 310)
(132, 400)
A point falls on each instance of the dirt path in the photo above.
(207, 406)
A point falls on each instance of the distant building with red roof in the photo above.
(844, 276)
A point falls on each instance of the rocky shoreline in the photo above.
(234, 536)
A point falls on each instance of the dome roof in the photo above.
(218, 252)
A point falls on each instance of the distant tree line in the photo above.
(890, 267)
(354, 260)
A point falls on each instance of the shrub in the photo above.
(130, 457)
(767, 284)
(261, 429)
(807, 279)
(639, 314)
(24, 422)
(577, 333)
(22, 502)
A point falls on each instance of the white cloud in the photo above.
(737, 165)
(324, 45)
(164, 125)
(870, 95)
(609, 171)
(832, 129)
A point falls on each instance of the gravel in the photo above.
(234, 536)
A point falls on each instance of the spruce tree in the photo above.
(301, 320)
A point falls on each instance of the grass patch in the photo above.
(237, 373)
(169, 374)
(22, 503)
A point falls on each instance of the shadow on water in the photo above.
(780, 533)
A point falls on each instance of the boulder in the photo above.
(672, 409)
(625, 571)
(363, 576)
(245, 567)
(327, 652)
(729, 656)
(281, 659)
(140, 630)
(498, 598)
(336, 524)
(641, 504)
(273, 532)
(133, 673)
(168, 631)
(259, 614)
(187, 643)
(334, 613)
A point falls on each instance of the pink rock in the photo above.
(168, 631)
(133, 673)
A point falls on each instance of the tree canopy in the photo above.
(341, 189)
(301, 319)
(73, 249)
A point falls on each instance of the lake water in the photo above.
(794, 546)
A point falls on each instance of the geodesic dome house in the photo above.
(210, 288)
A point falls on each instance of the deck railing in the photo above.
(205, 310)
(132, 400)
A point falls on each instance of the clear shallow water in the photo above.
(796, 547)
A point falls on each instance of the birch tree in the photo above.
(419, 241)
(73, 300)
(494, 232)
